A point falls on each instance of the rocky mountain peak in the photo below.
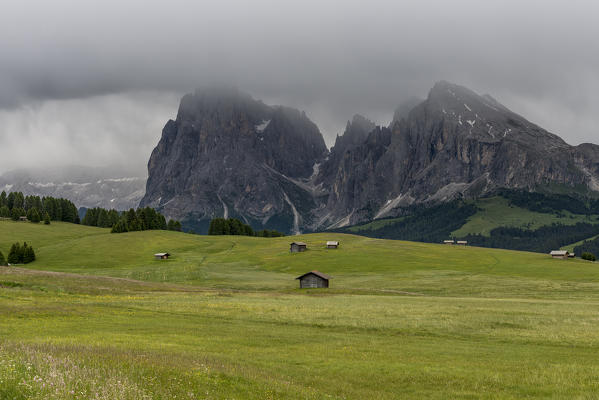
(230, 155)
(355, 132)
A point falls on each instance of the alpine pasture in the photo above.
(97, 317)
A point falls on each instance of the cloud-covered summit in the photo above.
(332, 59)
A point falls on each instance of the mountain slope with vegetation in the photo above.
(507, 219)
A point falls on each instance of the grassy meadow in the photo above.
(96, 317)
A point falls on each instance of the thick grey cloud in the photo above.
(112, 60)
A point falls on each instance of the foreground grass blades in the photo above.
(223, 319)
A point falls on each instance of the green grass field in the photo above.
(96, 317)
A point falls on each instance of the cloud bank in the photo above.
(98, 80)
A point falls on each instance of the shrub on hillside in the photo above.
(588, 256)
(21, 254)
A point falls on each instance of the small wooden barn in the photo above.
(314, 279)
(332, 244)
(561, 254)
(462, 242)
(23, 219)
(298, 247)
(162, 256)
(448, 242)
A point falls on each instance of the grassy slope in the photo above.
(401, 320)
(496, 212)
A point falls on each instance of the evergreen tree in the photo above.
(120, 227)
(28, 254)
(14, 254)
(10, 200)
(177, 226)
(16, 213)
(2, 259)
(3, 199)
(102, 219)
(5, 212)
(33, 215)
(46, 218)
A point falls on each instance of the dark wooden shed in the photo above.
(297, 247)
(162, 256)
(314, 279)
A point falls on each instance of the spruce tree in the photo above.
(16, 213)
(28, 254)
(47, 218)
(171, 225)
(4, 212)
(2, 260)
(33, 215)
(13, 254)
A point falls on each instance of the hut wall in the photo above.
(313, 281)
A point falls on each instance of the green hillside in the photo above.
(496, 211)
(96, 317)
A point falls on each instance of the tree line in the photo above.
(233, 226)
(15, 205)
(550, 203)
(422, 224)
(18, 254)
(142, 219)
(541, 240)
(590, 247)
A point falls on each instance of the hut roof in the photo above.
(332, 243)
(299, 243)
(560, 253)
(161, 254)
(317, 273)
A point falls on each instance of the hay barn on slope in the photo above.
(314, 279)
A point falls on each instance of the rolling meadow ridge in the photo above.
(97, 317)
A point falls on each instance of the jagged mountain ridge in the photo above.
(87, 187)
(227, 154)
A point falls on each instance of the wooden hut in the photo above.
(162, 256)
(448, 242)
(23, 219)
(298, 247)
(462, 243)
(332, 244)
(560, 254)
(314, 279)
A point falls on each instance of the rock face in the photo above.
(230, 155)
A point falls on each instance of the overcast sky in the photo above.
(93, 82)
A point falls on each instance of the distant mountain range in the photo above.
(227, 154)
(85, 186)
